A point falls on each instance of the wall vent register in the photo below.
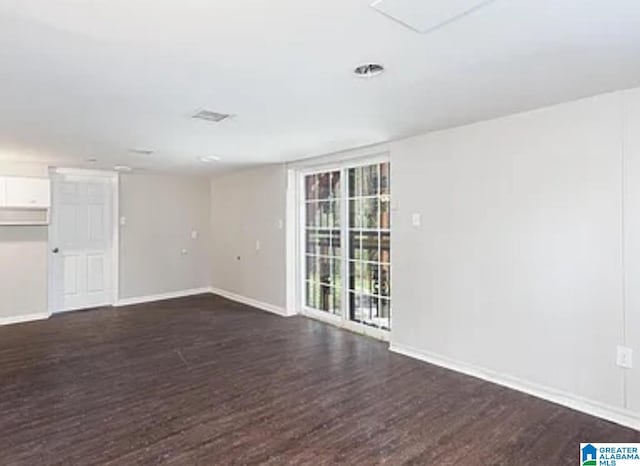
(209, 115)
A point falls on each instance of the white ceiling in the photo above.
(94, 78)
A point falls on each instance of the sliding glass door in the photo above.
(346, 236)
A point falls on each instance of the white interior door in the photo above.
(82, 241)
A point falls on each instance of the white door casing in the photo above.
(83, 238)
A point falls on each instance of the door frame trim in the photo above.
(115, 240)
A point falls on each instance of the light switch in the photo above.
(184, 252)
(624, 357)
(194, 234)
(416, 220)
(280, 224)
(258, 245)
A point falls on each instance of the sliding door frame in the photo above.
(297, 266)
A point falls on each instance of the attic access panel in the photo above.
(424, 16)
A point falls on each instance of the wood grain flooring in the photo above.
(205, 381)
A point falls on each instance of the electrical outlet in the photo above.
(624, 357)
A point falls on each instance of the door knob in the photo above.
(55, 250)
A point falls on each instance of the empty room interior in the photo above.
(347, 232)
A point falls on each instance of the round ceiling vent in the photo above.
(369, 70)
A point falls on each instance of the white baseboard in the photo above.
(601, 410)
(251, 302)
(24, 318)
(161, 296)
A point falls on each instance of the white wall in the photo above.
(23, 271)
(631, 149)
(517, 268)
(249, 206)
(8, 168)
(161, 211)
(23, 259)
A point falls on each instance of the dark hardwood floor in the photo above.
(206, 381)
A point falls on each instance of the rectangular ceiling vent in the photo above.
(143, 152)
(426, 16)
(208, 115)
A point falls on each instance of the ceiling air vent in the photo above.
(208, 115)
(145, 152)
(369, 70)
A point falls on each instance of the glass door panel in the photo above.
(369, 249)
(322, 243)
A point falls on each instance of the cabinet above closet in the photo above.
(24, 201)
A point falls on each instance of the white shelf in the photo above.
(27, 217)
